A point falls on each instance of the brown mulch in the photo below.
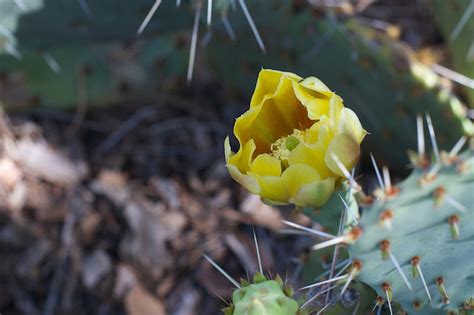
(112, 212)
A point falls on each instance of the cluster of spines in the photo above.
(439, 196)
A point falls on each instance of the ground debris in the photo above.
(95, 267)
(139, 301)
(111, 235)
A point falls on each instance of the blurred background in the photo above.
(112, 121)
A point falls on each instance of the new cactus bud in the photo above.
(263, 297)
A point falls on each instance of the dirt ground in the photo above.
(111, 213)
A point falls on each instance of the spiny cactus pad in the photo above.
(458, 32)
(44, 24)
(329, 215)
(427, 225)
(263, 297)
(101, 73)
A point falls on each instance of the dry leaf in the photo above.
(261, 213)
(140, 302)
(37, 158)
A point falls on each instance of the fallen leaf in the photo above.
(112, 184)
(39, 159)
(140, 302)
(261, 213)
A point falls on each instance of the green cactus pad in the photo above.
(428, 230)
(458, 35)
(45, 24)
(104, 73)
(263, 297)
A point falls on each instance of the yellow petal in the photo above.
(250, 127)
(349, 124)
(335, 107)
(316, 104)
(311, 156)
(347, 151)
(266, 165)
(314, 194)
(227, 150)
(272, 188)
(248, 181)
(267, 83)
(243, 158)
(325, 132)
(317, 85)
(285, 102)
(297, 175)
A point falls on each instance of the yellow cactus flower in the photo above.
(288, 140)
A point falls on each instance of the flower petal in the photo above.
(248, 181)
(267, 83)
(335, 107)
(227, 150)
(347, 151)
(349, 124)
(266, 165)
(316, 104)
(243, 158)
(314, 194)
(297, 175)
(317, 85)
(272, 188)
(312, 156)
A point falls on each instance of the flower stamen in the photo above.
(282, 147)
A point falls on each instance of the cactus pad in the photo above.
(457, 30)
(430, 234)
(263, 297)
(44, 24)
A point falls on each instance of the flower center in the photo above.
(282, 147)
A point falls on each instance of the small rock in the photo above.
(94, 267)
(125, 280)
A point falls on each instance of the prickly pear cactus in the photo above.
(263, 297)
(74, 53)
(377, 77)
(416, 245)
(456, 21)
(95, 74)
(329, 215)
(43, 24)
